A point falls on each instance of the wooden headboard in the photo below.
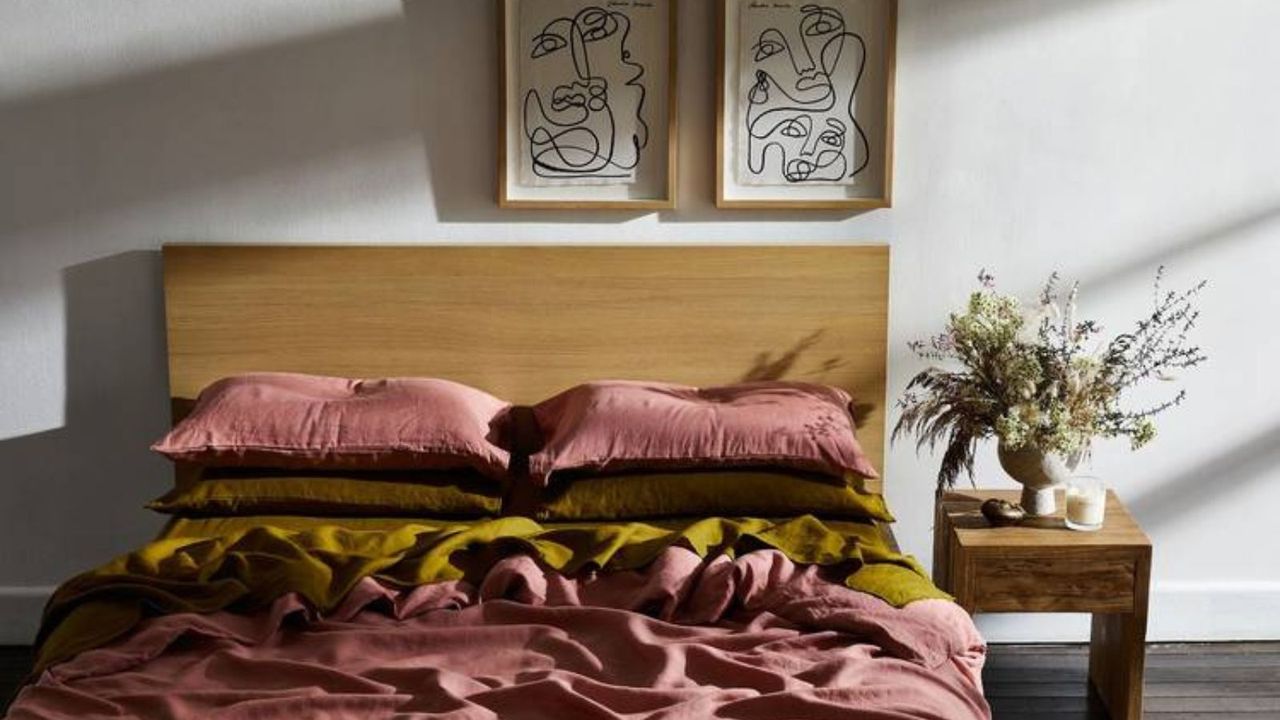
(526, 322)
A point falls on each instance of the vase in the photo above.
(1039, 472)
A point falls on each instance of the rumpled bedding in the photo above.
(253, 566)
(758, 636)
(714, 617)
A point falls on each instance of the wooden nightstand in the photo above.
(1041, 566)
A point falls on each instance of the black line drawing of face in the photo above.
(588, 82)
(800, 106)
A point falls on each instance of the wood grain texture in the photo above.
(527, 322)
(668, 199)
(1054, 579)
(719, 90)
(1212, 681)
(941, 547)
(1042, 566)
(1117, 648)
(963, 511)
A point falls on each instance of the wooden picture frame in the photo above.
(872, 119)
(653, 186)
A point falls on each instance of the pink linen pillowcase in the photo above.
(288, 420)
(624, 425)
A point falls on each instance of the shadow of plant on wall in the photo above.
(97, 467)
(768, 367)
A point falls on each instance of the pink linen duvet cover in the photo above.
(757, 637)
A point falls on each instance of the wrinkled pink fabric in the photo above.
(755, 638)
(628, 425)
(291, 420)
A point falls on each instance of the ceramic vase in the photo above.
(1038, 472)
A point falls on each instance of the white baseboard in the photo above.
(1180, 612)
(20, 608)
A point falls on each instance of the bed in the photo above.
(681, 616)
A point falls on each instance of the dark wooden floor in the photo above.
(1217, 681)
(1211, 681)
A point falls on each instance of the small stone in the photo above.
(1002, 513)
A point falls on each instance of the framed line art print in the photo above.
(587, 109)
(805, 104)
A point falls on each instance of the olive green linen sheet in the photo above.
(260, 491)
(747, 492)
(249, 565)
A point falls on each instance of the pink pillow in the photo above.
(621, 425)
(306, 421)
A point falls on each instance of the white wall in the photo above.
(1098, 137)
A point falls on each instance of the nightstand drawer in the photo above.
(1053, 580)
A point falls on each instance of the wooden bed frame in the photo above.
(526, 322)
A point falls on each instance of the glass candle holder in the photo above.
(1086, 503)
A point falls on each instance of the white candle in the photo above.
(1086, 504)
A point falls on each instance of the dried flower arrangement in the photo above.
(1036, 376)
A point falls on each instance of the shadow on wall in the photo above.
(1236, 228)
(767, 366)
(457, 93)
(460, 123)
(97, 148)
(1184, 494)
(454, 50)
(948, 23)
(93, 149)
(80, 488)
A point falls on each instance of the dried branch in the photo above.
(1048, 391)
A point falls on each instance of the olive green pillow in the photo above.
(753, 493)
(253, 491)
